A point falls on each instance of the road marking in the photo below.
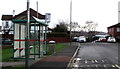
(92, 61)
(113, 66)
(96, 65)
(117, 66)
(105, 66)
(88, 65)
(85, 61)
(96, 61)
(76, 65)
(103, 61)
(81, 66)
(116, 58)
(78, 59)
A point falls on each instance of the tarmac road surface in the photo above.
(97, 56)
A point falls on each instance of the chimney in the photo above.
(13, 13)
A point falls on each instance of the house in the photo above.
(114, 30)
(7, 24)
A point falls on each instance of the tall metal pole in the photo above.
(70, 21)
(28, 17)
(37, 32)
(37, 8)
(45, 34)
(27, 37)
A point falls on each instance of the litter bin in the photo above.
(52, 47)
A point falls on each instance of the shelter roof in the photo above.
(31, 21)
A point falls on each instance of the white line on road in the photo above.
(117, 66)
(113, 66)
(96, 65)
(88, 65)
(92, 61)
(96, 61)
(85, 61)
(75, 65)
(105, 66)
(103, 61)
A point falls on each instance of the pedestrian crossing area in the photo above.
(94, 64)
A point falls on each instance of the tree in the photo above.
(59, 31)
(61, 27)
(91, 26)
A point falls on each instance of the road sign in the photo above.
(47, 17)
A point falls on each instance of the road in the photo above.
(97, 56)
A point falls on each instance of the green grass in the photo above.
(7, 53)
(0, 55)
(58, 47)
(36, 50)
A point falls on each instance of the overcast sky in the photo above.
(103, 12)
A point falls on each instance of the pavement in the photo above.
(59, 60)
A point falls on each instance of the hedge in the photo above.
(58, 34)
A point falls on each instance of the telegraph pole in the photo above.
(27, 37)
(70, 21)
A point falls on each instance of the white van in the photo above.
(81, 39)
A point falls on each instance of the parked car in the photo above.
(111, 39)
(5, 41)
(81, 39)
(102, 39)
(75, 39)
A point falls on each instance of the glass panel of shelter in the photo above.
(37, 38)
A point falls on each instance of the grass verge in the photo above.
(58, 47)
(7, 53)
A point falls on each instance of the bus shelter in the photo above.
(37, 41)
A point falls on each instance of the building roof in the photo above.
(116, 25)
(6, 17)
(22, 17)
(32, 13)
(24, 13)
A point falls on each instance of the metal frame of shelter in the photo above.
(37, 42)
